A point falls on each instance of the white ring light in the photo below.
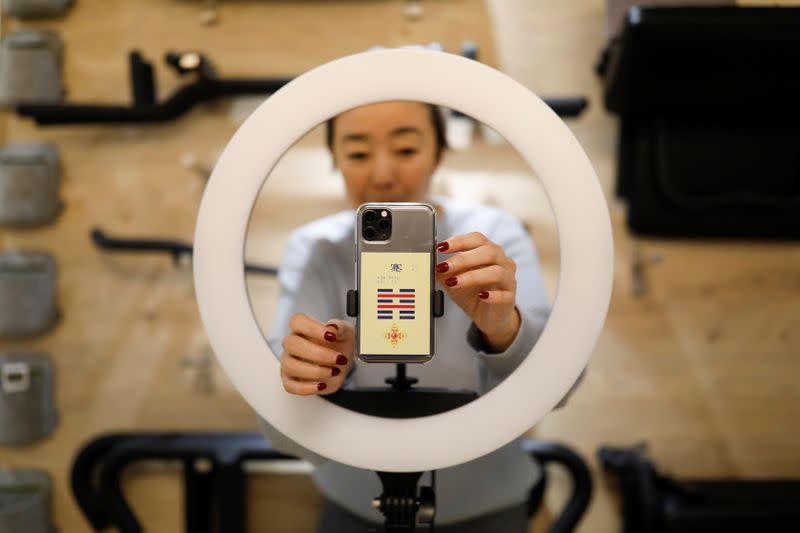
(584, 287)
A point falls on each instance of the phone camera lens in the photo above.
(370, 216)
(383, 225)
(369, 234)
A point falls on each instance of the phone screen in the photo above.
(394, 307)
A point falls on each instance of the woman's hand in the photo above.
(316, 357)
(480, 278)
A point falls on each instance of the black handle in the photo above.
(175, 248)
(142, 80)
(176, 105)
(550, 452)
(83, 480)
(569, 107)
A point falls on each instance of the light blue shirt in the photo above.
(317, 272)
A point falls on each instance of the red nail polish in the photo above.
(321, 386)
(335, 372)
(483, 295)
(451, 282)
(443, 246)
(330, 337)
(442, 267)
(341, 360)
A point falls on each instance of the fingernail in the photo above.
(330, 337)
(442, 267)
(483, 295)
(341, 360)
(451, 282)
(335, 372)
(442, 246)
(321, 386)
(334, 326)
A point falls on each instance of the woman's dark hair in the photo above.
(438, 128)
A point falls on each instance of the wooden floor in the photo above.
(703, 366)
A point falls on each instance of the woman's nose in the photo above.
(383, 174)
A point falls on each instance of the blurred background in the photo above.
(690, 123)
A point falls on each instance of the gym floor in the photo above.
(702, 364)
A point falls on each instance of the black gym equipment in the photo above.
(207, 86)
(708, 120)
(176, 249)
(215, 477)
(655, 503)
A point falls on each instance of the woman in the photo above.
(495, 309)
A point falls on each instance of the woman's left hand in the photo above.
(480, 278)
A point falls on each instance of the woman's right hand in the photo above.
(316, 357)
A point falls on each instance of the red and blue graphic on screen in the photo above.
(396, 303)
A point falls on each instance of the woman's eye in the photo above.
(407, 151)
(357, 155)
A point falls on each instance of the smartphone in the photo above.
(395, 256)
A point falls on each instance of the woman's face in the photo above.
(386, 151)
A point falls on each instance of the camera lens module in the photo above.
(370, 216)
(369, 233)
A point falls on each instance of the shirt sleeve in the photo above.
(533, 306)
(494, 366)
